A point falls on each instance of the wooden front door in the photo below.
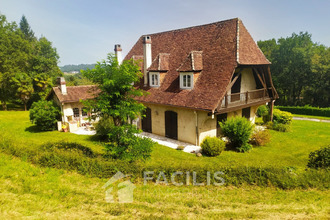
(246, 112)
(220, 118)
(171, 125)
(146, 121)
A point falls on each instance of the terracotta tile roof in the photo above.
(223, 44)
(193, 62)
(76, 93)
(160, 63)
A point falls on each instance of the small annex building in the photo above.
(69, 98)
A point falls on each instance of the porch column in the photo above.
(271, 107)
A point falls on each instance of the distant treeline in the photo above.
(70, 68)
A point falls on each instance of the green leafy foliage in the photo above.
(239, 131)
(45, 115)
(320, 158)
(279, 117)
(300, 69)
(123, 143)
(115, 104)
(103, 127)
(212, 146)
(260, 138)
(262, 110)
(24, 87)
(116, 82)
(35, 60)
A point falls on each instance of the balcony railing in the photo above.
(231, 100)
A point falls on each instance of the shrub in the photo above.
(282, 117)
(281, 127)
(212, 146)
(319, 158)
(103, 127)
(45, 115)
(262, 110)
(279, 116)
(124, 144)
(260, 138)
(239, 131)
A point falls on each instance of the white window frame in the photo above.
(184, 84)
(154, 79)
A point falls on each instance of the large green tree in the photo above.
(300, 69)
(117, 91)
(14, 55)
(21, 52)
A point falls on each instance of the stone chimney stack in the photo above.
(147, 59)
(62, 85)
(118, 53)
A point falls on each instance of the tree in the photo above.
(26, 29)
(24, 87)
(116, 104)
(300, 69)
(116, 83)
(45, 115)
(14, 54)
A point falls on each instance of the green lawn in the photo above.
(285, 149)
(27, 191)
(30, 191)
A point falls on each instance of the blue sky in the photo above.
(85, 31)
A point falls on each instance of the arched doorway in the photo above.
(171, 125)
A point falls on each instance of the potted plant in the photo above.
(65, 128)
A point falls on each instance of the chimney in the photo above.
(118, 53)
(62, 85)
(146, 57)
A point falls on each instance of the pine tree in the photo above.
(26, 29)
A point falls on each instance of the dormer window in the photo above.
(186, 80)
(154, 79)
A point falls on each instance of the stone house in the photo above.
(199, 76)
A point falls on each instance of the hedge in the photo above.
(306, 110)
(75, 157)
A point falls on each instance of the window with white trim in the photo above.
(154, 79)
(186, 80)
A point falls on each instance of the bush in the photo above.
(45, 115)
(281, 127)
(260, 138)
(103, 127)
(212, 146)
(262, 110)
(306, 110)
(319, 158)
(279, 116)
(282, 117)
(124, 144)
(239, 131)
